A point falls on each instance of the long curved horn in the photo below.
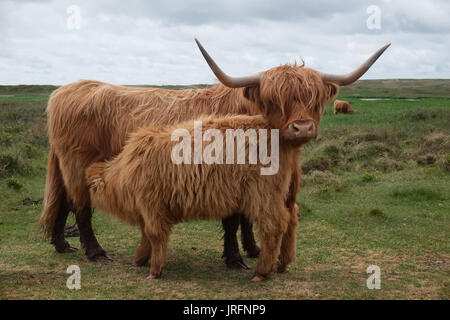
(232, 82)
(351, 77)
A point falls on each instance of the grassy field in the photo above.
(376, 191)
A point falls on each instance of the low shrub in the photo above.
(368, 177)
(13, 183)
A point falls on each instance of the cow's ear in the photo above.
(332, 90)
(252, 93)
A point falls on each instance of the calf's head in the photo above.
(292, 97)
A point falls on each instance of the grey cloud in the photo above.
(151, 42)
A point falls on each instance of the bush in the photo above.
(5, 138)
(369, 150)
(331, 150)
(436, 143)
(30, 151)
(426, 159)
(14, 183)
(444, 162)
(324, 182)
(421, 114)
(13, 129)
(304, 209)
(434, 148)
(9, 162)
(320, 164)
(361, 137)
(387, 164)
(417, 115)
(368, 177)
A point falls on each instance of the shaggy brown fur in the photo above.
(342, 107)
(142, 186)
(89, 121)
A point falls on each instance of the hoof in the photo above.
(253, 252)
(281, 269)
(69, 249)
(237, 263)
(153, 276)
(258, 278)
(140, 262)
(64, 247)
(100, 257)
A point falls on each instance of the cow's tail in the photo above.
(55, 194)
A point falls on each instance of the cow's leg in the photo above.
(144, 251)
(87, 238)
(73, 169)
(61, 245)
(233, 258)
(288, 242)
(248, 239)
(271, 229)
(55, 206)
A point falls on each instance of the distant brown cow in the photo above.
(342, 107)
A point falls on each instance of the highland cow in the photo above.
(143, 186)
(342, 107)
(89, 121)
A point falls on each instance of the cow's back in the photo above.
(95, 117)
(90, 117)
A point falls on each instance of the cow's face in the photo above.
(293, 99)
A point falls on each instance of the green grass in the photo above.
(375, 191)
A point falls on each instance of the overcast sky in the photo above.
(152, 42)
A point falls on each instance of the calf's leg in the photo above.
(287, 252)
(144, 251)
(288, 242)
(158, 236)
(271, 229)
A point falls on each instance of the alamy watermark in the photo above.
(374, 280)
(74, 280)
(74, 18)
(235, 140)
(373, 22)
